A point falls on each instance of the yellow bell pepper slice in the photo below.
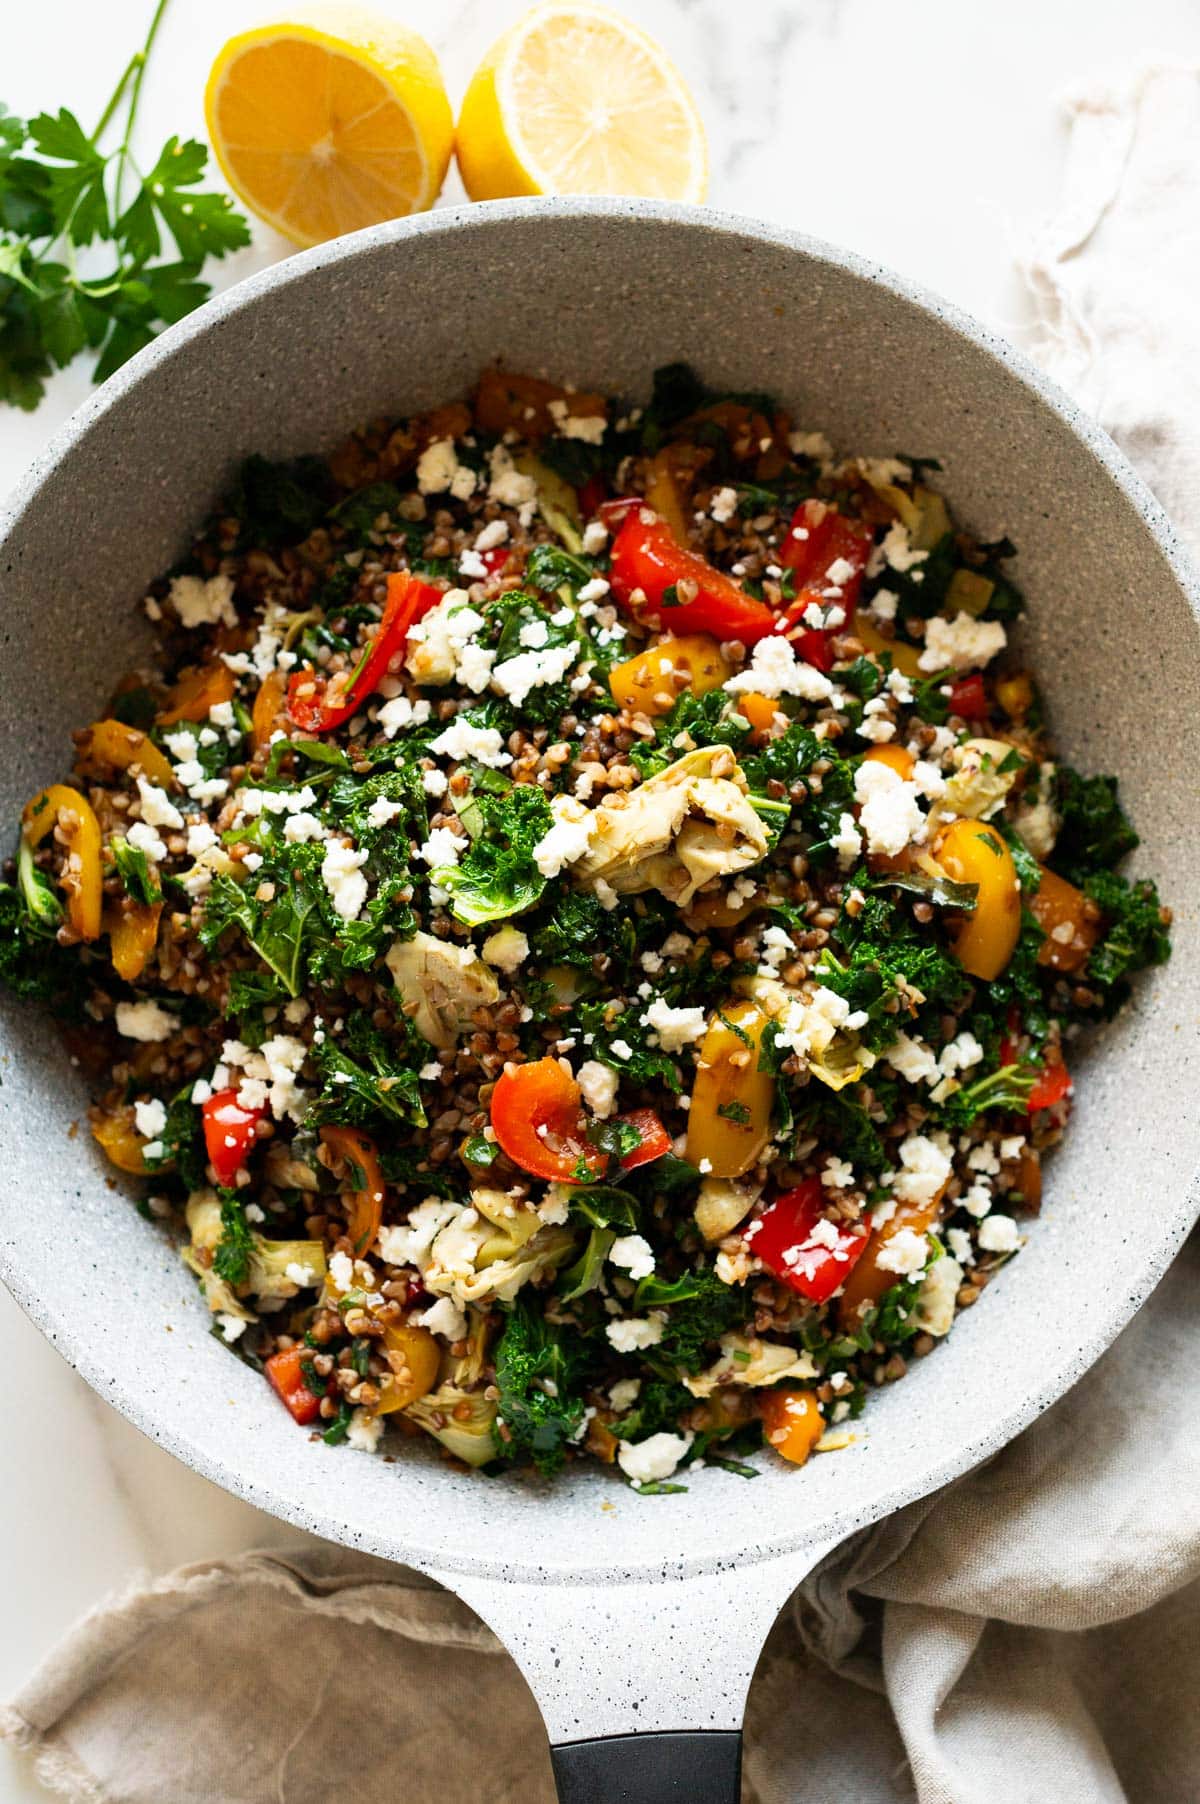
(81, 880)
(644, 683)
(970, 852)
(729, 1121)
(111, 745)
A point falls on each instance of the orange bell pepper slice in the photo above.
(197, 692)
(358, 1153)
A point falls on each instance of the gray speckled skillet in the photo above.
(627, 1615)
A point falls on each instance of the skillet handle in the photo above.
(642, 1682)
(686, 1766)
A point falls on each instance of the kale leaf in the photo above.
(1135, 934)
(1095, 830)
(540, 1369)
(231, 1261)
(32, 963)
(280, 503)
(498, 876)
(365, 1076)
(700, 1309)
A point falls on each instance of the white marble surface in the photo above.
(925, 137)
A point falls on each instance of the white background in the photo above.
(929, 138)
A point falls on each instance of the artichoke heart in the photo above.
(447, 983)
(676, 831)
(751, 1362)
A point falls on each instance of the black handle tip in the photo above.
(696, 1766)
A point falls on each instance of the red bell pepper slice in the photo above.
(229, 1135)
(614, 513)
(646, 557)
(317, 703)
(1052, 1083)
(968, 697)
(287, 1381)
(539, 1122)
(655, 1139)
(829, 537)
(796, 1242)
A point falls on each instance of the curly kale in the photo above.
(231, 1261)
(540, 1371)
(1135, 934)
(700, 1309)
(1095, 830)
(365, 1077)
(33, 965)
(498, 876)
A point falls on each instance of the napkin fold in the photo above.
(1030, 1633)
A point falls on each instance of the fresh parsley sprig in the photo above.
(61, 191)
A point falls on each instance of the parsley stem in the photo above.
(114, 100)
(137, 65)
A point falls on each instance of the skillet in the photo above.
(637, 1621)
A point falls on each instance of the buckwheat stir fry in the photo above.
(582, 926)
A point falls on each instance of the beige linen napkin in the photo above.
(1031, 1634)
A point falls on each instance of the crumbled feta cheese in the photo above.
(516, 676)
(300, 1275)
(298, 829)
(959, 1055)
(463, 483)
(445, 1317)
(635, 1332)
(410, 1244)
(634, 1254)
(383, 810)
(434, 782)
(838, 1174)
(775, 670)
(158, 810)
(535, 634)
(890, 814)
(651, 1460)
(364, 1431)
(506, 948)
(493, 535)
(144, 839)
(723, 506)
(569, 837)
(471, 565)
(915, 1062)
(150, 1118)
(675, 1027)
(959, 1242)
(598, 1084)
(436, 467)
(977, 1201)
(963, 643)
(590, 427)
(623, 1394)
(461, 740)
(595, 537)
(341, 1269)
(847, 841)
(231, 1326)
(808, 1027)
(145, 1021)
(999, 1234)
(777, 948)
(343, 879)
(621, 1048)
(934, 1311)
(441, 848)
(905, 1252)
(897, 550)
(810, 444)
(201, 601)
(508, 486)
(594, 590)
(555, 1207)
(926, 1165)
(200, 838)
(181, 744)
(399, 714)
(983, 1158)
